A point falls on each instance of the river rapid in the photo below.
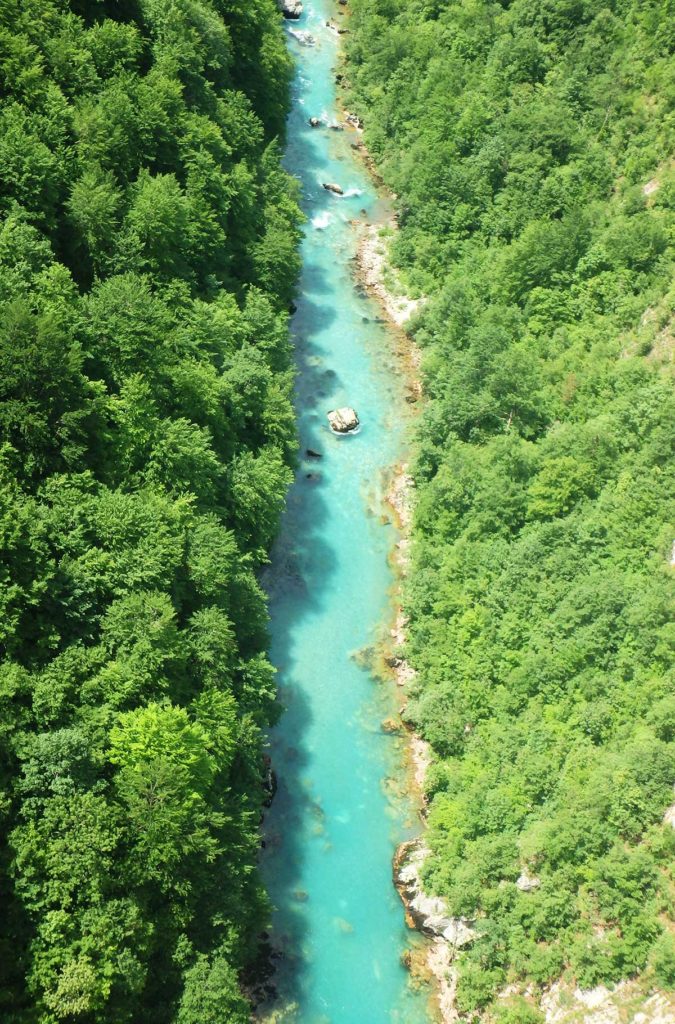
(341, 805)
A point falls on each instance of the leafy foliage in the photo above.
(147, 258)
(526, 142)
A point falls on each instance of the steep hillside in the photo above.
(529, 144)
(147, 259)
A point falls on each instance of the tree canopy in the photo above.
(528, 143)
(148, 253)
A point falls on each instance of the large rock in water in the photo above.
(291, 9)
(304, 37)
(343, 420)
(330, 186)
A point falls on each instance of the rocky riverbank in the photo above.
(429, 915)
(426, 914)
(379, 278)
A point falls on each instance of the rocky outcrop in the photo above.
(375, 269)
(291, 9)
(428, 914)
(344, 420)
(527, 882)
(564, 1004)
(354, 120)
(330, 186)
(669, 816)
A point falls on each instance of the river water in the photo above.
(341, 805)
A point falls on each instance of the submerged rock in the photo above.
(343, 420)
(311, 454)
(330, 186)
(291, 9)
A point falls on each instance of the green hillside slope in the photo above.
(147, 259)
(530, 146)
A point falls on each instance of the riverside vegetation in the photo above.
(529, 144)
(148, 253)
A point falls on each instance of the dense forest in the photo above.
(529, 144)
(148, 252)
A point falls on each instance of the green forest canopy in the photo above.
(530, 146)
(148, 252)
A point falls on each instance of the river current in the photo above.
(341, 805)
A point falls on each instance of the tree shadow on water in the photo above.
(297, 581)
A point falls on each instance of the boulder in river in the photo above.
(330, 186)
(291, 9)
(304, 38)
(344, 420)
(312, 454)
(315, 122)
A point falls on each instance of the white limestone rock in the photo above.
(344, 420)
(527, 883)
(291, 9)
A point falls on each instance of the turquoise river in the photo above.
(341, 807)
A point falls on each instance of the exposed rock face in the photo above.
(375, 269)
(429, 914)
(343, 420)
(330, 186)
(527, 883)
(291, 9)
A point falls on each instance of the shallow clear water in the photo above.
(340, 808)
